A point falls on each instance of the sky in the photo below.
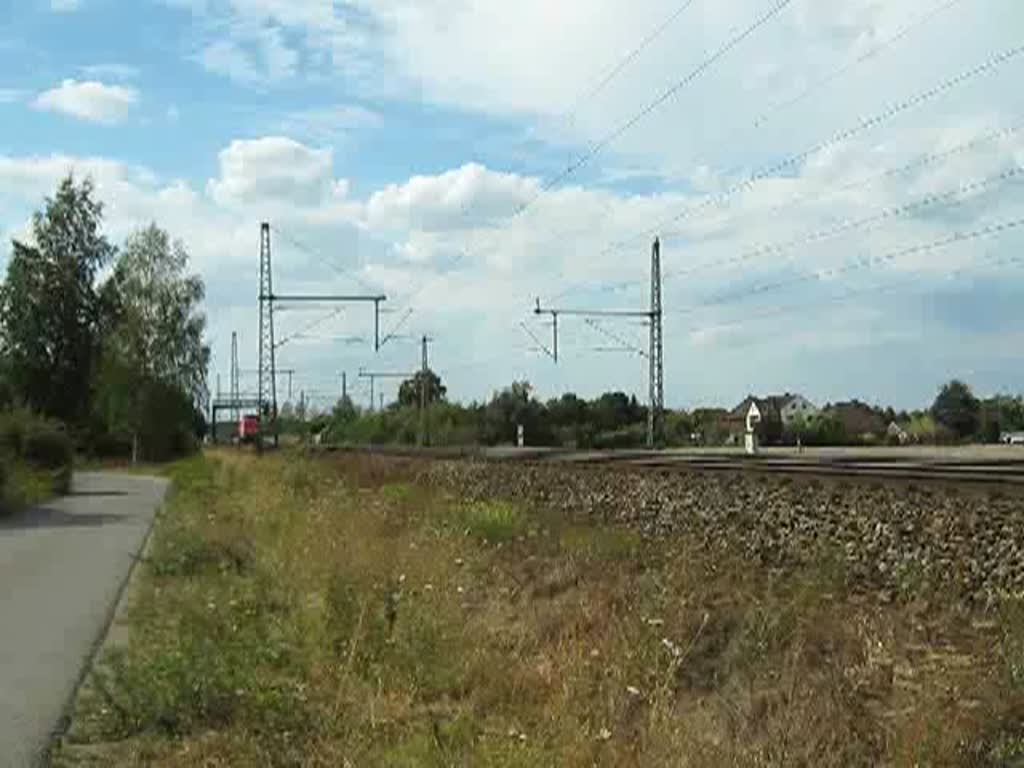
(837, 184)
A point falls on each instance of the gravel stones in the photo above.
(966, 542)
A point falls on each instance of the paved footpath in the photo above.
(62, 567)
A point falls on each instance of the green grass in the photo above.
(307, 613)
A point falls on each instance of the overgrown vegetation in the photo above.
(36, 458)
(337, 613)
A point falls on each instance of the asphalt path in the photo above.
(62, 569)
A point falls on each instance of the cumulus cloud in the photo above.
(89, 100)
(274, 168)
(449, 200)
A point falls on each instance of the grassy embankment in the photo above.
(335, 614)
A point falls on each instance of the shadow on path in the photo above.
(74, 494)
(48, 517)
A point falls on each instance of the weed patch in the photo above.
(494, 522)
(331, 613)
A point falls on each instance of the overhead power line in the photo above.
(626, 345)
(693, 75)
(874, 290)
(864, 263)
(330, 263)
(595, 149)
(939, 199)
(918, 163)
(817, 196)
(838, 138)
(632, 56)
(900, 34)
(310, 327)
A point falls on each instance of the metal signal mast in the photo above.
(268, 349)
(655, 415)
(235, 415)
(656, 354)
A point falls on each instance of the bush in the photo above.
(14, 428)
(3, 483)
(48, 447)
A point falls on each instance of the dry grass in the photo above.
(302, 613)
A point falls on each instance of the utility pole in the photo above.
(381, 396)
(655, 415)
(267, 393)
(236, 415)
(267, 298)
(553, 353)
(654, 314)
(373, 376)
(424, 373)
(344, 386)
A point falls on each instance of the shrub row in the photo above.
(39, 444)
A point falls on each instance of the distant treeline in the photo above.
(618, 420)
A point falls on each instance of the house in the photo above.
(1012, 438)
(797, 408)
(777, 413)
(898, 434)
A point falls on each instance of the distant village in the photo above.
(791, 418)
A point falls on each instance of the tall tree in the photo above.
(49, 308)
(409, 392)
(957, 409)
(154, 341)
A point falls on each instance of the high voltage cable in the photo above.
(871, 53)
(917, 163)
(703, 67)
(323, 259)
(626, 61)
(904, 32)
(307, 328)
(617, 133)
(847, 296)
(837, 138)
(885, 214)
(864, 263)
(627, 346)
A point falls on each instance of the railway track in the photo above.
(938, 467)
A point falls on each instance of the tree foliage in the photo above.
(50, 309)
(957, 409)
(409, 391)
(122, 358)
(155, 359)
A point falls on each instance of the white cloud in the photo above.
(450, 200)
(64, 6)
(11, 95)
(89, 100)
(273, 169)
(251, 55)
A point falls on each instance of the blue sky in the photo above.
(395, 139)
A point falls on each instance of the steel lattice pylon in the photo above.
(267, 364)
(655, 432)
(235, 414)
